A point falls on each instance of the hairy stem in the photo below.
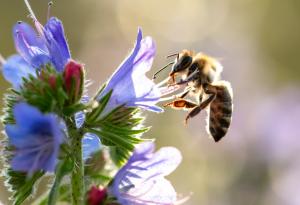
(55, 188)
(77, 178)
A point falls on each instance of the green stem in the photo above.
(77, 178)
(55, 187)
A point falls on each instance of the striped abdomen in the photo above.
(220, 112)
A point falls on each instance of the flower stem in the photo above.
(77, 178)
(55, 188)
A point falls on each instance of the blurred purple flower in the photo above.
(36, 138)
(130, 85)
(278, 130)
(36, 49)
(90, 142)
(141, 181)
(15, 68)
(278, 125)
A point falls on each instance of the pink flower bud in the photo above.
(96, 195)
(73, 80)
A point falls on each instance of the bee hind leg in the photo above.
(181, 104)
(196, 110)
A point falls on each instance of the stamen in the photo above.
(183, 200)
(30, 10)
(168, 98)
(163, 82)
(49, 9)
(2, 60)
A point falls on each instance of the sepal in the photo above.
(120, 129)
(21, 185)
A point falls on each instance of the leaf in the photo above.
(118, 155)
(21, 185)
(92, 116)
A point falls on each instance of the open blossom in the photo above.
(141, 181)
(130, 85)
(47, 45)
(36, 138)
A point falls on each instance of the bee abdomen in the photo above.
(220, 113)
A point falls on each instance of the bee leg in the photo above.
(184, 94)
(190, 78)
(196, 110)
(181, 104)
(200, 97)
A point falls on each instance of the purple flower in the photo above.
(36, 138)
(47, 45)
(90, 144)
(15, 68)
(141, 181)
(130, 85)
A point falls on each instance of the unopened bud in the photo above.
(96, 195)
(48, 78)
(73, 80)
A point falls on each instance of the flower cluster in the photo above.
(53, 127)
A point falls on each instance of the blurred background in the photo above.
(258, 43)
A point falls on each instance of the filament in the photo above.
(49, 9)
(167, 98)
(2, 60)
(30, 10)
(163, 82)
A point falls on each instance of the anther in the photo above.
(19, 22)
(50, 3)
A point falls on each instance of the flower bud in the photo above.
(73, 80)
(96, 195)
(48, 78)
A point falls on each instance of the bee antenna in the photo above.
(174, 54)
(50, 3)
(154, 76)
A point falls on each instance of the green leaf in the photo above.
(109, 127)
(21, 185)
(92, 116)
(119, 155)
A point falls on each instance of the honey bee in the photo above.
(201, 75)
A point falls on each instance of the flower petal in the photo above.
(130, 84)
(15, 68)
(30, 46)
(57, 44)
(158, 191)
(90, 144)
(141, 180)
(36, 138)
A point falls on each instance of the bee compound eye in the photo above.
(186, 61)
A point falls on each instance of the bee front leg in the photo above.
(189, 78)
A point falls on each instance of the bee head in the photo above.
(182, 62)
